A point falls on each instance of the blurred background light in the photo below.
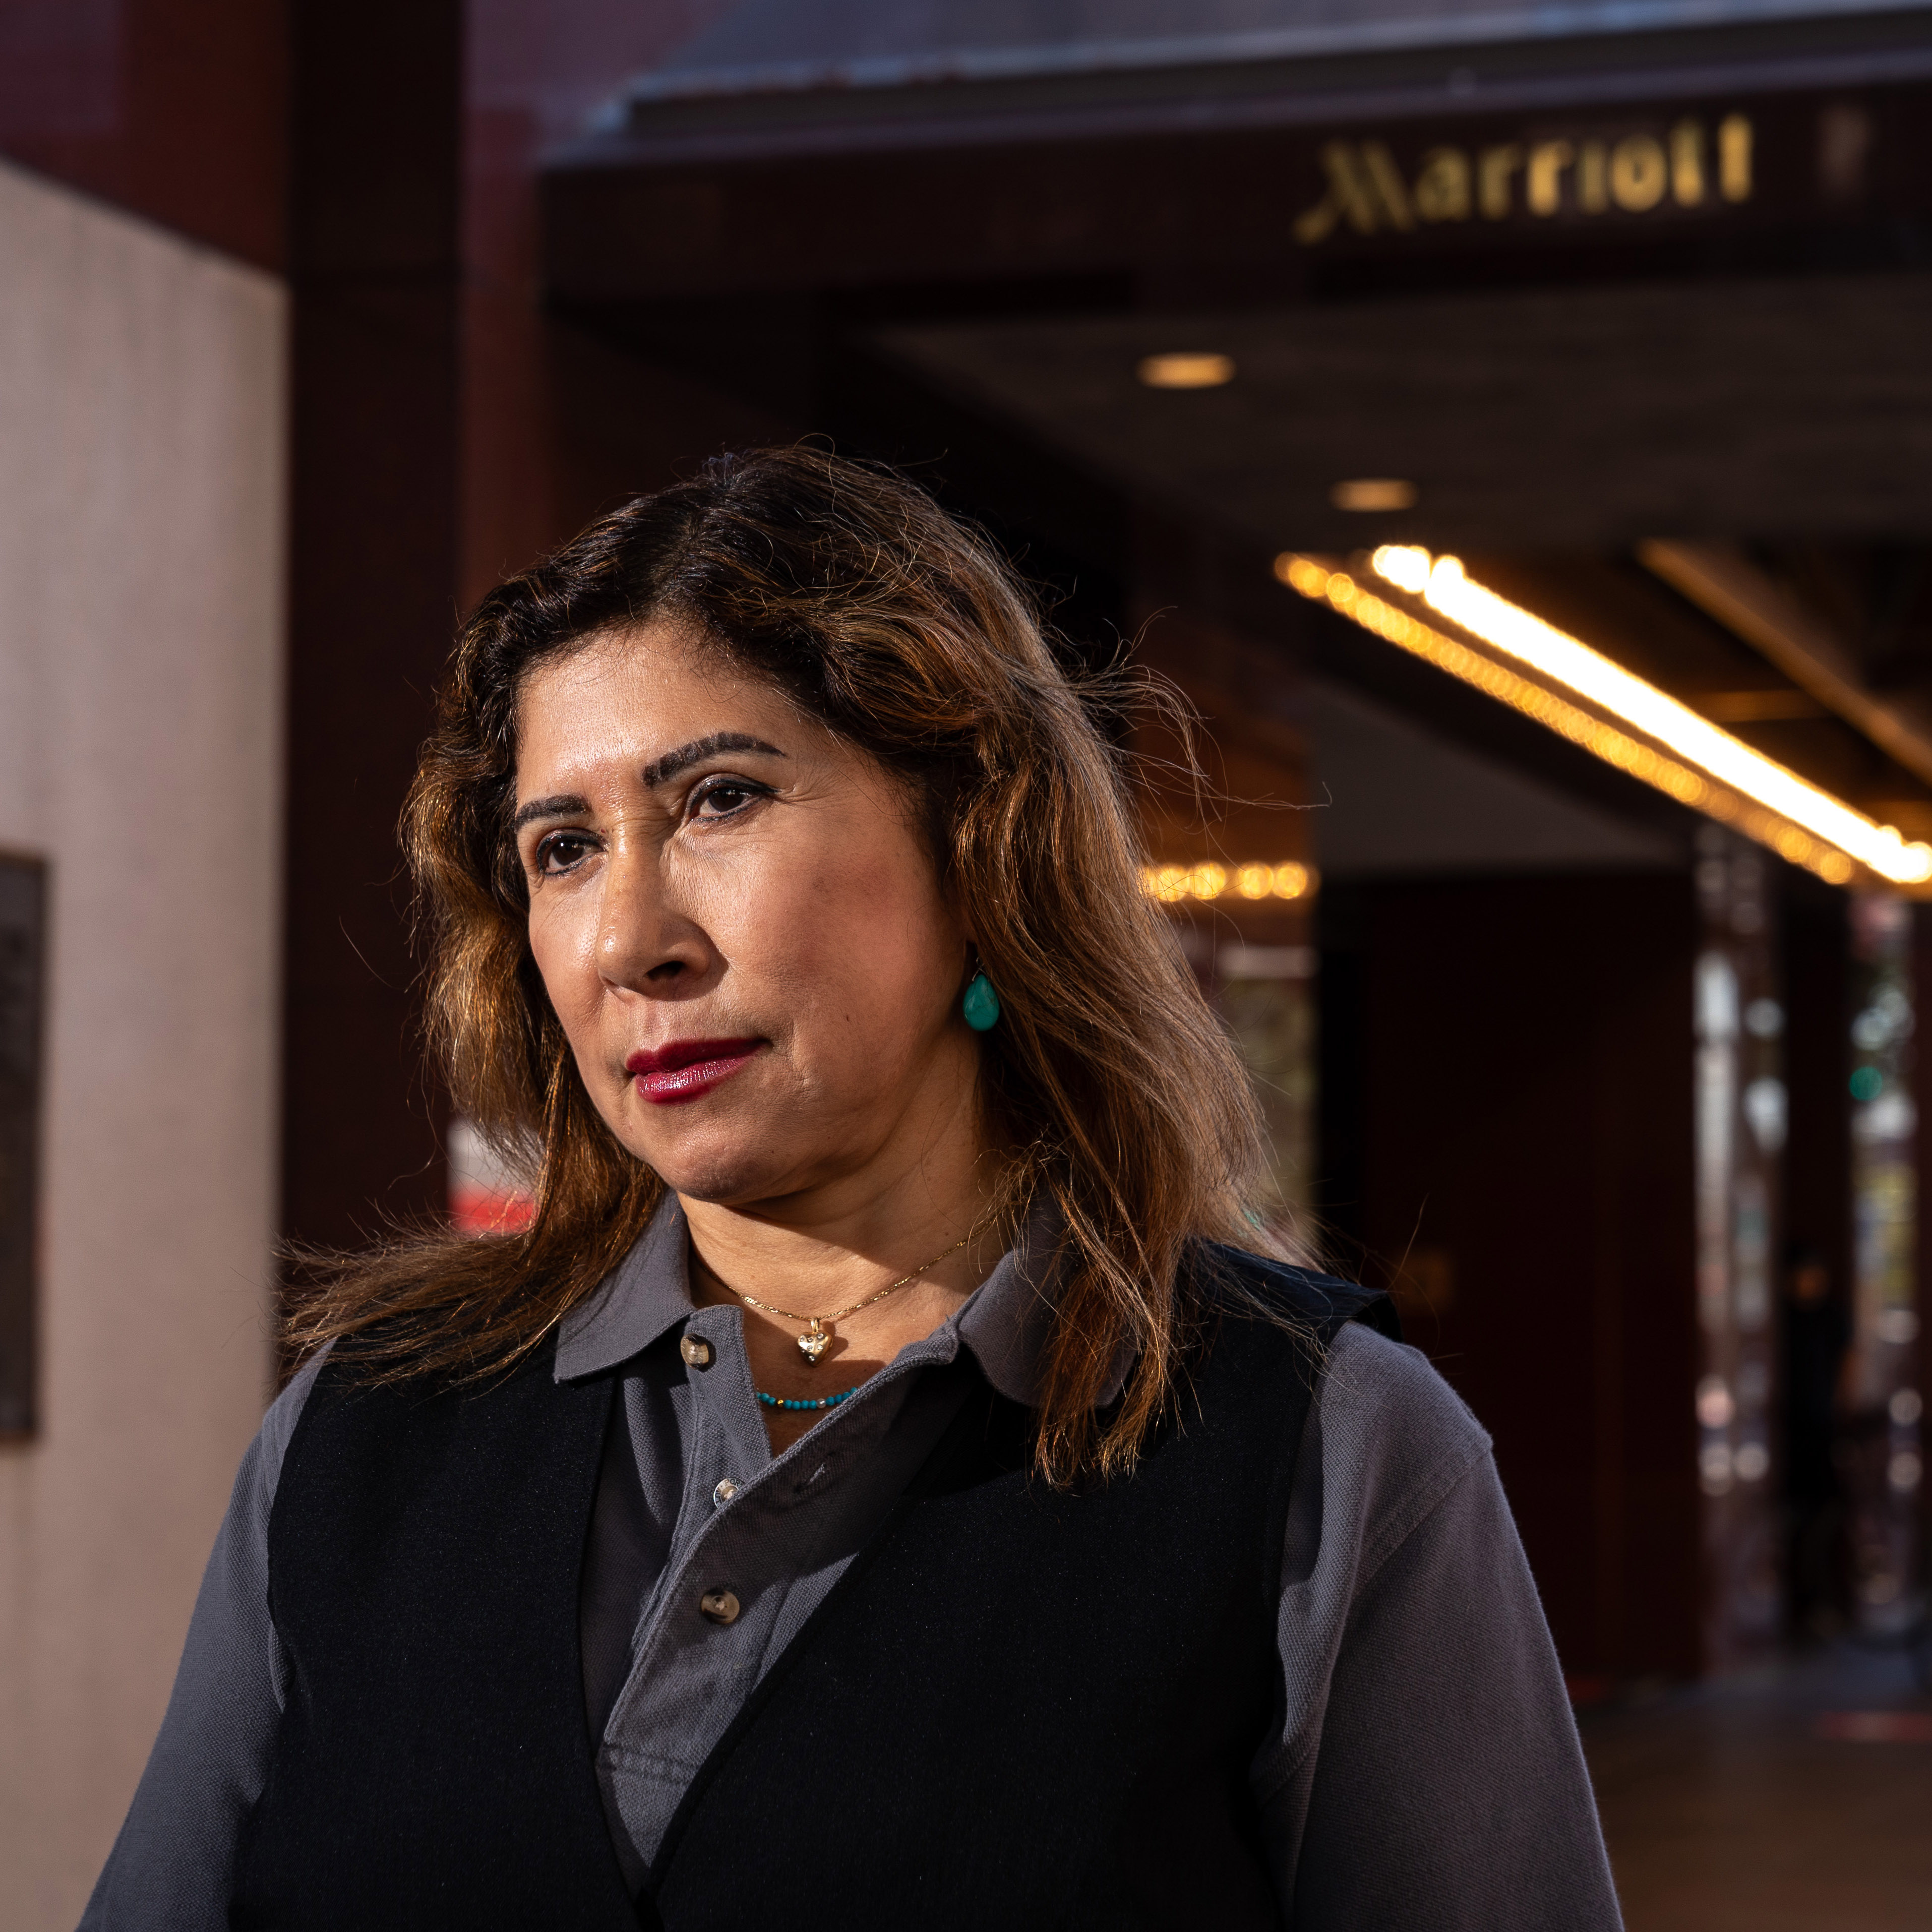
(1252, 880)
(1185, 370)
(1373, 493)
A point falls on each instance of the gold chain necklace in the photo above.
(818, 1336)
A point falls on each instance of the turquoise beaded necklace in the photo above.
(823, 1402)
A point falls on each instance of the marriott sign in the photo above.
(1686, 165)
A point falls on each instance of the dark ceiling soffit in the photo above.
(1376, 83)
(1733, 589)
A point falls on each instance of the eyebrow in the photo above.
(659, 770)
(563, 805)
(571, 804)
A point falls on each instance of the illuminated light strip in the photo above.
(1172, 883)
(1800, 836)
(1544, 648)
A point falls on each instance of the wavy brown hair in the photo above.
(1119, 1094)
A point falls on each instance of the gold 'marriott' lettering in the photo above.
(1687, 164)
(1442, 188)
(1366, 189)
(1547, 161)
(1638, 173)
(1734, 158)
(1593, 178)
(1391, 196)
(1494, 167)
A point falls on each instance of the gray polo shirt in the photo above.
(1425, 1772)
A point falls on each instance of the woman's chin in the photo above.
(736, 1148)
(725, 1175)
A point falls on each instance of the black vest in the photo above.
(1018, 1706)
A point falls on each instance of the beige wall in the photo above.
(142, 435)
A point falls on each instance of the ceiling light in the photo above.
(1189, 370)
(1606, 684)
(1807, 826)
(1373, 493)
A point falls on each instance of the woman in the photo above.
(877, 1486)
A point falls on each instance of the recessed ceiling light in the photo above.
(1373, 493)
(1185, 371)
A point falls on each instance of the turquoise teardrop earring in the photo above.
(981, 1005)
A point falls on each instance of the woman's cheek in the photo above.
(564, 950)
(780, 926)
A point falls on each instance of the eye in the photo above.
(559, 852)
(725, 798)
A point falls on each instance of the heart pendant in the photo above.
(814, 1343)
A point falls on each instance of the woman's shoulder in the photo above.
(1374, 1382)
(271, 1446)
(1290, 1296)
(1393, 1439)
(1390, 1432)
(1369, 1373)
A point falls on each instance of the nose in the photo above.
(645, 942)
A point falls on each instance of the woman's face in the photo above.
(738, 923)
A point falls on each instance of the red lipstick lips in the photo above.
(682, 1069)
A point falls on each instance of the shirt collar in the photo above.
(1005, 1322)
(646, 1295)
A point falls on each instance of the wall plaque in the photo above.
(23, 898)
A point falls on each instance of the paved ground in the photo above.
(1797, 1801)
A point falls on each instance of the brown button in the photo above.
(721, 1607)
(696, 1351)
